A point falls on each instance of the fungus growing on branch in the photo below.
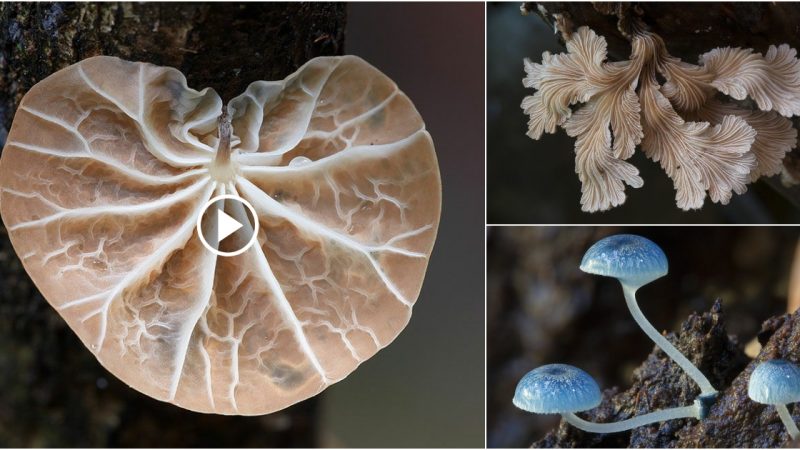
(707, 146)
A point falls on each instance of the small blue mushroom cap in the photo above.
(557, 388)
(632, 259)
(775, 382)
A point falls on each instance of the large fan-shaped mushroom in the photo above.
(108, 165)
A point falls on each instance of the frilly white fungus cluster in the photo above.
(705, 145)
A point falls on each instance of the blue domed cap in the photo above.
(775, 382)
(556, 388)
(632, 259)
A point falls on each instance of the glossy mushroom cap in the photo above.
(632, 259)
(557, 388)
(775, 382)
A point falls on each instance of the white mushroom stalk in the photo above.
(662, 342)
(708, 148)
(663, 415)
(635, 262)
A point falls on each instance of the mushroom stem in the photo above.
(663, 343)
(786, 418)
(638, 421)
(224, 147)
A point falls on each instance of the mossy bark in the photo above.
(54, 393)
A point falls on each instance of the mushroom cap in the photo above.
(632, 259)
(775, 382)
(556, 388)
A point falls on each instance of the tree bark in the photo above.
(689, 29)
(225, 46)
(55, 393)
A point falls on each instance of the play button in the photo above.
(228, 225)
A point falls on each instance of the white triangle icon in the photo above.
(226, 225)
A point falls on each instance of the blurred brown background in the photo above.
(542, 309)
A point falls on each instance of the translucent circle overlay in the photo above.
(255, 225)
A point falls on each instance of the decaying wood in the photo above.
(734, 421)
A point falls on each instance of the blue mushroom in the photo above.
(777, 382)
(636, 261)
(564, 389)
(633, 260)
(555, 389)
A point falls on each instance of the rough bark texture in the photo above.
(780, 338)
(225, 46)
(54, 393)
(734, 421)
(689, 30)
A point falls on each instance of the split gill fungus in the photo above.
(108, 166)
(707, 144)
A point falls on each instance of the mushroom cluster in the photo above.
(707, 146)
(563, 389)
(558, 388)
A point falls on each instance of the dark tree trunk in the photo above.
(225, 46)
(54, 393)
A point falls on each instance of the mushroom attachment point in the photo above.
(777, 382)
(564, 389)
(636, 261)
